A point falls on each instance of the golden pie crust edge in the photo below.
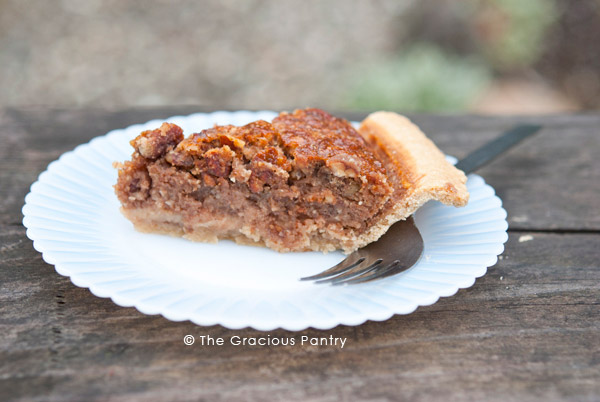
(422, 168)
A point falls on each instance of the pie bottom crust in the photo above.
(150, 220)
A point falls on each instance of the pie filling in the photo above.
(306, 181)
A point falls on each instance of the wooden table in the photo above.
(528, 330)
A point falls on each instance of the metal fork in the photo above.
(402, 245)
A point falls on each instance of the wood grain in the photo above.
(528, 330)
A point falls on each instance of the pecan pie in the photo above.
(305, 181)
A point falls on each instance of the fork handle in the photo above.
(491, 150)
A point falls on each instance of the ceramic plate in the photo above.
(72, 215)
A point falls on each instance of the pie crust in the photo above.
(306, 181)
(415, 165)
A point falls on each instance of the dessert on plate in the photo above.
(305, 181)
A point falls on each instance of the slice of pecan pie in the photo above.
(305, 181)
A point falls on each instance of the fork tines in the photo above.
(357, 270)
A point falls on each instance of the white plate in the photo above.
(72, 215)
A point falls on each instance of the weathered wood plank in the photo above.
(551, 181)
(527, 330)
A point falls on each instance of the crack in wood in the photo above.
(554, 231)
(56, 329)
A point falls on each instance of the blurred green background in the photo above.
(492, 56)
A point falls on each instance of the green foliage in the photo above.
(422, 78)
(525, 23)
